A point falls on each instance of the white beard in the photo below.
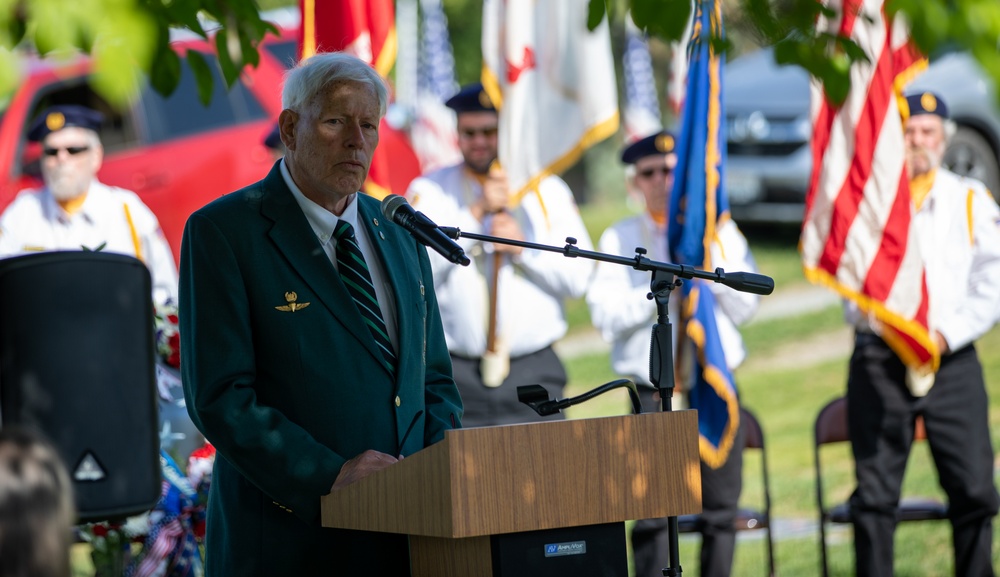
(923, 160)
(64, 184)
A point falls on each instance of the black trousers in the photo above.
(881, 412)
(486, 406)
(720, 495)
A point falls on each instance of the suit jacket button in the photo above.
(398, 402)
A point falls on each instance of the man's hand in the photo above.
(496, 195)
(942, 344)
(361, 466)
(506, 226)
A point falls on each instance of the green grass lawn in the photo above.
(786, 402)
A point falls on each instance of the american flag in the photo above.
(433, 133)
(437, 64)
(697, 204)
(642, 107)
(859, 222)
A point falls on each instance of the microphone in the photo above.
(536, 397)
(396, 209)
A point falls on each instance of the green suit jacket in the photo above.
(287, 394)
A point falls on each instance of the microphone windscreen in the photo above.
(392, 203)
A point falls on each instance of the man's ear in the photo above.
(287, 124)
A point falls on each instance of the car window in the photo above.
(182, 113)
(287, 53)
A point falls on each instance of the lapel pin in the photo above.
(292, 306)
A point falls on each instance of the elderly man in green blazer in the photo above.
(311, 339)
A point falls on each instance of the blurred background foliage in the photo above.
(129, 37)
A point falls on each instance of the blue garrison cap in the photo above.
(926, 103)
(471, 98)
(662, 142)
(273, 138)
(58, 117)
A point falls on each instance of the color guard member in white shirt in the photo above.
(620, 310)
(957, 223)
(74, 211)
(500, 328)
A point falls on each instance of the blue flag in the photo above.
(697, 202)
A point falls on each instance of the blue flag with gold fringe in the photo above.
(697, 202)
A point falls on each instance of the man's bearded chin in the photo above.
(65, 186)
(923, 160)
(479, 167)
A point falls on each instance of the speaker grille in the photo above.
(77, 361)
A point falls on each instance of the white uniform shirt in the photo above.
(619, 307)
(959, 235)
(533, 285)
(111, 217)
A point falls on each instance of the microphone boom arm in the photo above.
(742, 281)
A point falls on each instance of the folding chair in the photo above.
(746, 519)
(831, 427)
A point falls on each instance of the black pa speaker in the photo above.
(77, 363)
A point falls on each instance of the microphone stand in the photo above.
(665, 278)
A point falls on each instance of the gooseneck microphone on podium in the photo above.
(536, 397)
(396, 209)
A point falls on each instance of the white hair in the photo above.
(312, 75)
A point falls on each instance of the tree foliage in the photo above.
(790, 26)
(129, 39)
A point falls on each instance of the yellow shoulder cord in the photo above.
(135, 235)
(968, 213)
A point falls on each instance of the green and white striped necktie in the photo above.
(358, 280)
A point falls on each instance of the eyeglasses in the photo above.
(71, 150)
(470, 133)
(649, 172)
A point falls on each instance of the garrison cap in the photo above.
(471, 98)
(58, 117)
(662, 142)
(926, 103)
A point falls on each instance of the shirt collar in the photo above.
(322, 221)
(94, 206)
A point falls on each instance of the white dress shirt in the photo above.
(619, 307)
(112, 219)
(958, 228)
(532, 285)
(324, 223)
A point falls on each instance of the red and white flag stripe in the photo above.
(858, 223)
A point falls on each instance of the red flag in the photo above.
(367, 29)
(859, 217)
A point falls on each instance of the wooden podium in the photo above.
(455, 497)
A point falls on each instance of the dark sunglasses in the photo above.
(649, 172)
(71, 150)
(471, 133)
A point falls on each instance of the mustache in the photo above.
(930, 156)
